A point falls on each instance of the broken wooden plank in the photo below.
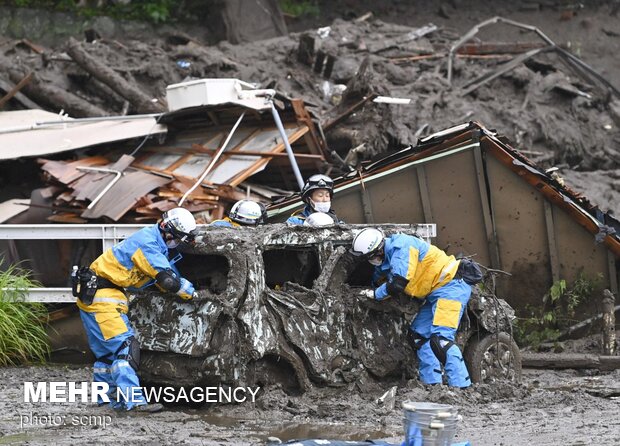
(112, 79)
(33, 46)
(497, 48)
(21, 84)
(348, 112)
(19, 97)
(259, 154)
(476, 83)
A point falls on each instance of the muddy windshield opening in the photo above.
(205, 271)
(297, 265)
(361, 274)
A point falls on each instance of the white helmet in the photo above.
(367, 242)
(319, 219)
(247, 212)
(180, 223)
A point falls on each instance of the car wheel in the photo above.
(493, 357)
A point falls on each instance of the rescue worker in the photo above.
(243, 213)
(133, 264)
(317, 193)
(409, 265)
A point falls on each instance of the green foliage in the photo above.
(156, 11)
(22, 332)
(556, 313)
(298, 8)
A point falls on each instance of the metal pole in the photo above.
(289, 150)
(118, 174)
(213, 161)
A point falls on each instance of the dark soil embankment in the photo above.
(541, 105)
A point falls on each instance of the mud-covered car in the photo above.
(281, 304)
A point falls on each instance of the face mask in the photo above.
(322, 206)
(376, 261)
(171, 244)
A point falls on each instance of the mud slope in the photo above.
(542, 106)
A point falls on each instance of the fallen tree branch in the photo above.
(569, 361)
(572, 329)
(112, 79)
(53, 97)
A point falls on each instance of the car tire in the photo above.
(483, 363)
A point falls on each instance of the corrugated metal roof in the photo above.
(124, 195)
(34, 132)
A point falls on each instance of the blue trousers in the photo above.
(120, 376)
(439, 317)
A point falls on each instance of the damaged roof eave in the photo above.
(505, 155)
(456, 139)
(37, 138)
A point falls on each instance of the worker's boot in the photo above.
(148, 408)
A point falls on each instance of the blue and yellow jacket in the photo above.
(132, 264)
(225, 222)
(425, 266)
(299, 217)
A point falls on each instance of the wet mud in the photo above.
(548, 408)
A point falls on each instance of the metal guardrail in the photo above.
(109, 234)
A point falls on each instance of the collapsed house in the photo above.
(207, 153)
(490, 201)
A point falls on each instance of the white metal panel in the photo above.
(41, 138)
(13, 207)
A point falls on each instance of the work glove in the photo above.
(187, 290)
(368, 294)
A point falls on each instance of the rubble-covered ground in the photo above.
(542, 106)
(548, 408)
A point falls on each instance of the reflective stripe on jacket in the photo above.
(425, 266)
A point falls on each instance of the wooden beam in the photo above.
(21, 84)
(203, 149)
(424, 194)
(551, 240)
(498, 48)
(487, 215)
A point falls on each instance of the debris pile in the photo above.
(559, 112)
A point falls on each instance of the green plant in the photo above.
(557, 312)
(298, 8)
(156, 11)
(22, 331)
